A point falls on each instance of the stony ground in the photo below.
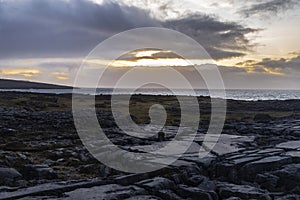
(42, 157)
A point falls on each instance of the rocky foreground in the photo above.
(42, 157)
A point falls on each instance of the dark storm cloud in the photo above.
(45, 28)
(220, 39)
(48, 28)
(270, 7)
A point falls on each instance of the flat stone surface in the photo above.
(225, 143)
(246, 160)
(270, 151)
(143, 197)
(49, 188)
(273, 159)
(112, 191)
(295, 154)
(289, 145)
(250, 170)
(157, 183)
(227, 190)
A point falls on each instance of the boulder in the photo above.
(196, 180)
(268, 181)
(227, 190)
(289, 176)
(9, 176)
(99, 169)
(167, 195)
(250, 170)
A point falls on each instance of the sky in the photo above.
(255, 43)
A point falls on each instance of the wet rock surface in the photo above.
(256, 157)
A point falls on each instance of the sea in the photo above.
(235, 94)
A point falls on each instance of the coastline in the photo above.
(230, 94)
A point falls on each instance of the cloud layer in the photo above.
(284, 66)
(266, 9)
(34, 28)
(220, 39)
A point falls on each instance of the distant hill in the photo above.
(15, 84)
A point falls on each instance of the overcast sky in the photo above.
(255, 43)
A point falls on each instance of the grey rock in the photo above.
(196, 180)
(268, 181)
(49, 189)
(143, 197)
(289, 176)
(207, 185)
(193, 169)
(38, 172)
(8, 176)
(227, 190)
(206, 161)
(233, 198)
(270, 151)
(48, 162)
(295, 156)
(130, 179)
(105, 192)
(194, 193)
(225, 170)
(99, 169)
(246, 159)
(295, 133)
(288, 197)
(157, 183)
(250, 170)
(293, 145)
(167, 195)
(181, 177)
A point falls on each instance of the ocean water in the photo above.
(247, 95)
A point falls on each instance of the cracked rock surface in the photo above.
(42, 156)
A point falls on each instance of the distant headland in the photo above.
(17, 84)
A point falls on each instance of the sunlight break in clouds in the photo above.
(22, 72)
(145, 53)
